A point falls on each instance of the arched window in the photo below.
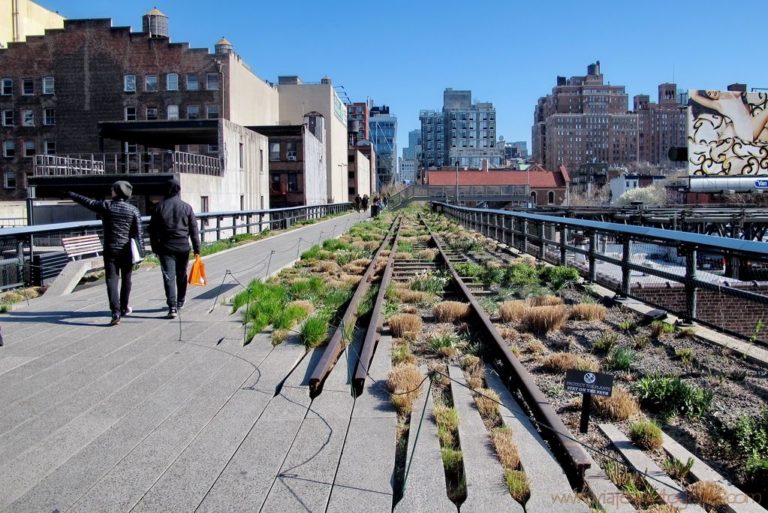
(533, 198)
(551, 197)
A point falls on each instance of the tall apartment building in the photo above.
(463, 133)
(662, 126)
(584, 120)
(22, 18)
(383, 132)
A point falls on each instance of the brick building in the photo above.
(125, 101)
(546, 187)
(662, 126)
(584, 120)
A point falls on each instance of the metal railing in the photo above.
(718, 281)
(19, 246)
(126, 163)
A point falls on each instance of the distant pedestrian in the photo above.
(365, 202)
(172, 226)
(358, 202)
(121, 222)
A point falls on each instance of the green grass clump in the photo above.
(452, 458)
(517, 484)
(676, 468)
(434, 283)
(469, 269)
(288, 317)
(366, 304)
(314, 331)
(558, 277)
(621, 358)
(659, 328)
(672, 396)
(336, 245)
(645, 434)
(311, 253)
(443, 339)
(605, 343)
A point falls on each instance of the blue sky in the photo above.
(405, 53)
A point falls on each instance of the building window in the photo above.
(129, 83)
(173, 112)
(192, 83)
(204, 206)
(293, 182)
(290, 150)
(150, 83)
(275, 187)
(172, 82)
(49, 147)
(212, 111)
(274, 151)
(533, 197)
(29, 149)
(48, 85)
(6, 86)
(242, 203)
(8, 118)
(130, 148)
(240, 156)
(9, 179)
(261, 161)
(212, 81)
(151, 113)
(213, 148)
(550, 197)
(9, 149)
(130, 113)
(28, 117)
(193, 112)
(27, 86)
(49, 117)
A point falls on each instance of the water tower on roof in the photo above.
(223, 46)
(155, 23)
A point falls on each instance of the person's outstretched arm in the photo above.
(98, 206)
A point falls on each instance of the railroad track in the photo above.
(422, 401)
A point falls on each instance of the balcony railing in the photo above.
(126, 163)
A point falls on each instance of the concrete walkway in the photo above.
(148, 415)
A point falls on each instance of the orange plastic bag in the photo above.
(197, 273)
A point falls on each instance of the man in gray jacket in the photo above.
(172, 226)
(121, 222)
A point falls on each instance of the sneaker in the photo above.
(115, 320)
(172, 313)
(127, 311)
(180, 304)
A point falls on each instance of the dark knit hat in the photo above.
(122, 189)
(173, 187)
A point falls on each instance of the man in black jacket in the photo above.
(121, 222)
(172, 226)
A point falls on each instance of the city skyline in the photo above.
(511, 58)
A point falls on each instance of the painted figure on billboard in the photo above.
(727, 133)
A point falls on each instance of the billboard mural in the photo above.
(727, 134)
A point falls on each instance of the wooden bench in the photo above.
(78, 247)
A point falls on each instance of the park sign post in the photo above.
(588, 384)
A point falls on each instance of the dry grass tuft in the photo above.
(451, 311)
(427, 254)
(535, 347)
(541, 319)
(403, 382)
(359, 244)
(476, 379)
(279, 336)
(371, 245)
(405, 324)
(326, 266)
(512, 310)
(662, 508)
(411, 296)
(620, 406)
(351, 268)
(561, 362)
(470, 363)
(508, 334)
(306, 306)
(505, 447)
(351, 279)
(588, 312)
(364, 262)
(403, 255)
(487, 402)
(410, 309)
(547, 300)
(708, 493)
